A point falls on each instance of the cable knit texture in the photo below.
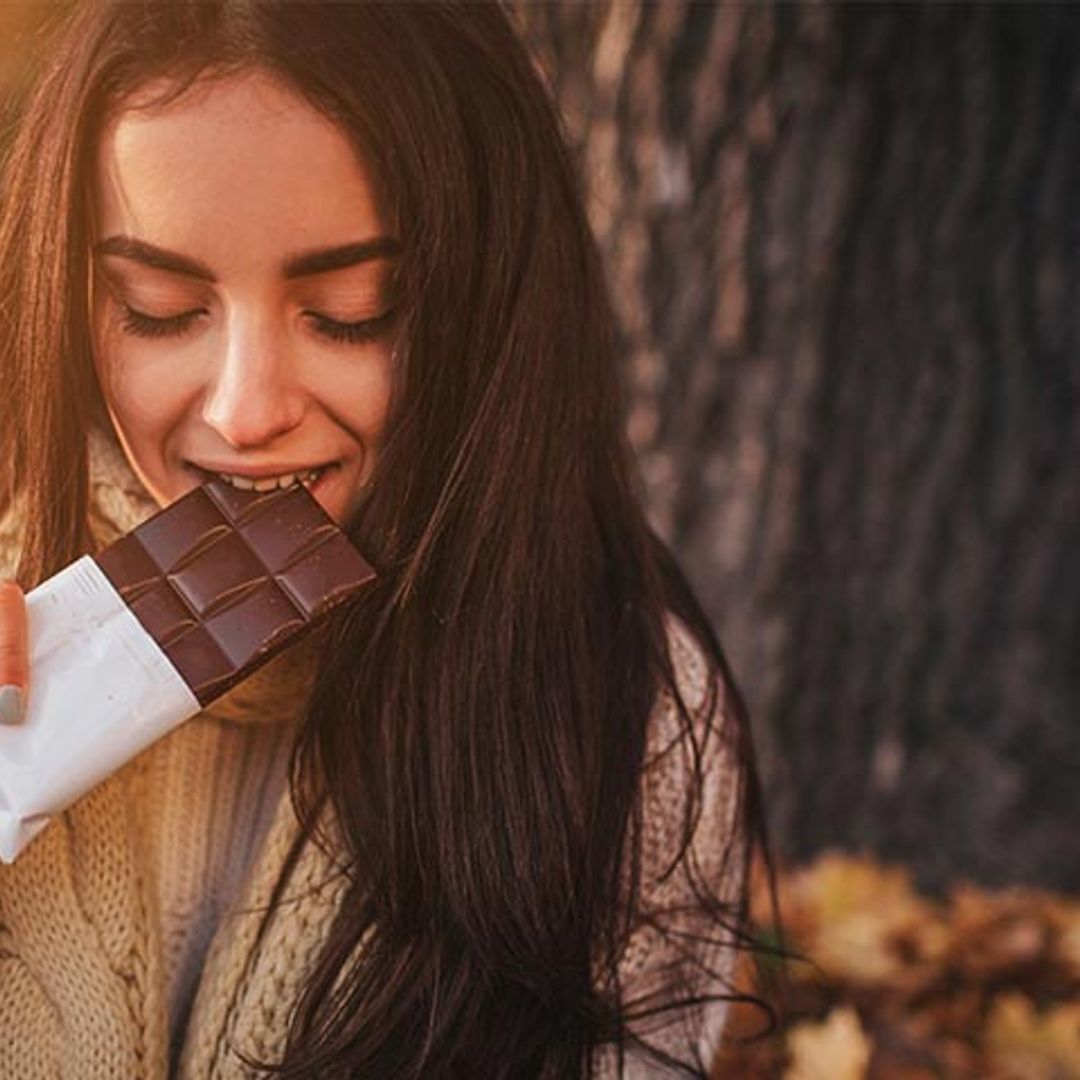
(131, 929)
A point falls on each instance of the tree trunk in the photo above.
(843, 257)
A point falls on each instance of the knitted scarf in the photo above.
(81, 984)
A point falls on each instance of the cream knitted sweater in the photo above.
(129, 928)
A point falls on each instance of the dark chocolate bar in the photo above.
(224, 579)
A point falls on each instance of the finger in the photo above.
(14, 647)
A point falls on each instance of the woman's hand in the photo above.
(14, 652)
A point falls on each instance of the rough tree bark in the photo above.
(843, 252)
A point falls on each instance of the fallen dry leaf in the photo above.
(1065, 917)
(1024, 1044)
(983, 987)
(997, 935)
(864, 923)
(836, 1049)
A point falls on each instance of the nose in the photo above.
(254, 396)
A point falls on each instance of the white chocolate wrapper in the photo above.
(101, 691)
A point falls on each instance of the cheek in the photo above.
(143, 412)
(143, 400)
(359, 396)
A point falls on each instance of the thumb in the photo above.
(14, 652)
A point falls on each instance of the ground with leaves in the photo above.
(898, 986)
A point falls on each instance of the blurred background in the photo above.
(843, 245)
(843, 249)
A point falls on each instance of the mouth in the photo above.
(310, 478)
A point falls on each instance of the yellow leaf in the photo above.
(862, 922)
(1023, 1043)
(836, 1049)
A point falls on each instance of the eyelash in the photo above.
(135, 322)
(355, 333)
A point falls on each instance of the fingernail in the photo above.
(11, 705)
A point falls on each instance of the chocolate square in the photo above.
(224, 579)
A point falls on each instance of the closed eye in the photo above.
(151, 326)
(143, 325)
(352, 333)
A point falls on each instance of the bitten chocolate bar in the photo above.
(224, 579)
(129, 644)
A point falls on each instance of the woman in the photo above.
(343, 245)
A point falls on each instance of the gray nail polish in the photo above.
(11, 705)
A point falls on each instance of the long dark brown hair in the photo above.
(479, 721)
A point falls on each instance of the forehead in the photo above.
(235, 164)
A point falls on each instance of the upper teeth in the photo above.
(268, 483)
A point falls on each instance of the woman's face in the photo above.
(241, 304)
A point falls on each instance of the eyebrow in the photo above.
(302, 264)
